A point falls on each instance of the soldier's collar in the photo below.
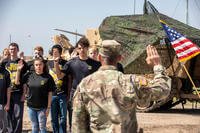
(108, 67)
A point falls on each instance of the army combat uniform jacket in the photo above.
(105, 101)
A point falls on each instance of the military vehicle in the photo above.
(135, 32)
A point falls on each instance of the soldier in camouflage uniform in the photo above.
(105, 101)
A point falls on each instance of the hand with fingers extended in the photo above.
(153, 58)
(20, 65)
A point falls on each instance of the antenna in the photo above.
(187, 13)
(10, 39)
(134, 7)
(76, 36)
(70, 32)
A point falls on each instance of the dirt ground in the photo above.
(175, 120)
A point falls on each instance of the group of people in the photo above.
(91, 87)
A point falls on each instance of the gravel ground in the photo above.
(175, 120)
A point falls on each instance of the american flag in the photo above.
(184, 48)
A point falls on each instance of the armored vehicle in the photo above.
(135, 32)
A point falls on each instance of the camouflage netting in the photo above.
(135, 32)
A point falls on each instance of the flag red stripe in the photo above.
(180, 42)
(185, 48)
(188, 58)
(189, 54)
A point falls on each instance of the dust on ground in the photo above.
(175, 120)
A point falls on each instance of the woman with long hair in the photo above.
(39, 86)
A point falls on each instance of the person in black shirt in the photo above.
(5, 88)
(38, 52)
(5, 91)
(59, 98)
(39, 86)
(17, 95)
(80, 67)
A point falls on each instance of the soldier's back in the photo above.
(110, 101)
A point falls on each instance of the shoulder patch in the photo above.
(140, 80)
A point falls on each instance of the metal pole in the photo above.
(187, 13)
(76, 35)
(134, 7)
(191, 80)
(10, 39)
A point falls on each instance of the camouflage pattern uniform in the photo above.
(105, 101)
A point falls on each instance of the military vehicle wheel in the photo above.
(167, 105)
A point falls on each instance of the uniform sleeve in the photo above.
(148, 89)
(80, 121)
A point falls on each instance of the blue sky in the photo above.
(31, 22)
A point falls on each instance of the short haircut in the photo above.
(94, 48)
(84, 42)
(39, 48)
(110, 59)
(57, 46)
(14, 45)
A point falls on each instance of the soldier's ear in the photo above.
(119, 58)
(99, 57)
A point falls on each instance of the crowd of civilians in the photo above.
(48, 85)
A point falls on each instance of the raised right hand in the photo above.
(153, 58)
(20, 65)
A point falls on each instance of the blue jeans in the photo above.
(38, 120)
(59, 113)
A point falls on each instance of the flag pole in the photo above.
(185, 67)
(191, 80)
